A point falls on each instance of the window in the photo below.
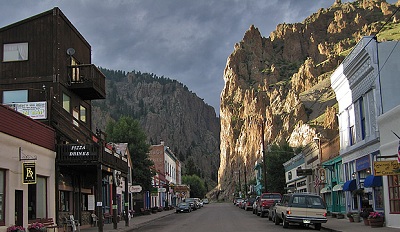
(289, 175)
(2, 200)
(15, 96)
(15, 52)
(64, 201)
(82, 113)
(37, 199)
(394, 197)
(75, 70)
(352, 130)
(66, 102)
(362, 118)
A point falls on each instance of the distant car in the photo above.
(301, 208)
(235, 201)
(205, 201)
(255, 205)
(184, 207)
(265, 201)
(239, 202)
(193, 203)
(249, 204)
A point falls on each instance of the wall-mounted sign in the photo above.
(34, 110)
(362, 163)
(386, 168)
(79, 150)
(29, 173)
(135, 189)
(303, 172)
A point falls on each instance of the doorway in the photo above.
(19, 207)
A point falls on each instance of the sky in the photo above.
(184, 40)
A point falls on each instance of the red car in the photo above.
(265, 201)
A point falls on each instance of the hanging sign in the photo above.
(29, 173)
(385, 168)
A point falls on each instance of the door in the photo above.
(19, 207)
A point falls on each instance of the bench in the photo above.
(48, 223)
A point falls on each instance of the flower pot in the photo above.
(356, 218)
(366, 222)
(376, 222)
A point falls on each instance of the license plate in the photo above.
(306, 221)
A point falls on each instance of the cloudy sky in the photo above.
(185, 40)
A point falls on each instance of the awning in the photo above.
(338, 187)
(350, 185)
(325, 189)
(373, 181)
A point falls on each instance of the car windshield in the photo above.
(183, 204)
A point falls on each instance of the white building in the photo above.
(365, 84)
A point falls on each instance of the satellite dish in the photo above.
(70, 51)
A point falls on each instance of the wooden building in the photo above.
(46, 73)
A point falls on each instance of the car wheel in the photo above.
(277, 220)
(262, 214)
(317, 226)
(285, 223)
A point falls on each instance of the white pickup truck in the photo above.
(300, 208)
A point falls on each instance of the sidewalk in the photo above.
(333, 224)
(135, 223)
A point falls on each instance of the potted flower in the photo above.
(15, 228)
(375, 219)
(350, 216)
(365, 214)
(36, 227)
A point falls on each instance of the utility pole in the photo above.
(263, 153)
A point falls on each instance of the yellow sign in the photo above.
(29, 173)
(386, 168)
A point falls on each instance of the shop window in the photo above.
(37, 199)
(2, 197)
(64, 201)
(394, 197)
(15, 52)
(378, 197)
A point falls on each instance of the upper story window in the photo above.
(15, 52)
(66, 102)
(82, 113)
(15, 96)
(352, 129)
(362, 118)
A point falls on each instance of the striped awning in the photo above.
(326, 189)
(338, 187)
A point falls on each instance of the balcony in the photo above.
(90, 154)
(87, 81)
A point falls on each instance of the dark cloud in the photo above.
(185, 40)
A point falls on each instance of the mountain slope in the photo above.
(283, 82)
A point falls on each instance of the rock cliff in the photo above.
(278, 88)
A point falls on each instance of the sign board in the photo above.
(322, 174)
(386, 168)
(303, 172)
(78, 150)
(34, 110)
(135, 189)
(29, 173)
(162, 190)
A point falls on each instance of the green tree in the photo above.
(197, 187)
(127, 130)
(275, 158)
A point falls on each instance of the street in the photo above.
(216, 217)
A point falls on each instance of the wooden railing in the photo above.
(87, 81)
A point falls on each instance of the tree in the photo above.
(127, 130)
(275, 159)
(197, 188)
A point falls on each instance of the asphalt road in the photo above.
(217, 217)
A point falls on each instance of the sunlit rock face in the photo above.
(281, 84)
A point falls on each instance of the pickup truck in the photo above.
(265, 201)
(300, 208)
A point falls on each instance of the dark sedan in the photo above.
(183, 207)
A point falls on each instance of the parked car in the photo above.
(255, 205)
(265, 201)
(271, 211)
(184, 207)
(239, 202)
(249, 204)
(301, 208)
(206, 201)
(194, 204)
(235, 201)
